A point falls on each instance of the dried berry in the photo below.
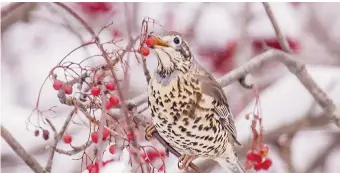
(36, 132)
(46, 134)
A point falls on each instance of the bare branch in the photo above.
(301, 73)
(21, 152)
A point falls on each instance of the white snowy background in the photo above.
(30, 49)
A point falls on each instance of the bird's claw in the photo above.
(149, 129)
(185, 160)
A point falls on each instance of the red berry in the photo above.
(114, 100)
(254, 157)
(95, 91)
(110, 86)
(144, 51)
(266, 164)
(46, 134)
(108, 105)
(150, 41)
(89, 167)
(68, 89)
(106, 133)
(257, 166)
(112, 149)
(36, 132)
(57, 84)
(130, 136)
(67, 138)
(116, 33)
(94, 136)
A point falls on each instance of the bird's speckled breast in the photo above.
(185, 118)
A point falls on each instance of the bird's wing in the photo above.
(211, 87)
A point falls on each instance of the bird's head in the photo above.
(172, 53)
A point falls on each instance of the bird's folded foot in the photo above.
(149, 129)
(185, 160)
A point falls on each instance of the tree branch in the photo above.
(301, 73)
(21, 152)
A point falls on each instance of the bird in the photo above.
(189, 108)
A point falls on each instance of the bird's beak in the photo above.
(159, 42)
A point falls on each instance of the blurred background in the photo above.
(222, 37)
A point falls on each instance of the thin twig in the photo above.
(21, 152)
(56, 140)
(282, 41)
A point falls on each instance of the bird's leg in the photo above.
(185, 160)
(149, 129)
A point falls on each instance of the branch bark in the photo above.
(21, 152)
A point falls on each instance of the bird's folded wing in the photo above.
(210, 87)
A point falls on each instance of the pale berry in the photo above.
(68, 89)
(144, 51)
(112, 149)
(67, 138)
(95, 91)
(57, 84)
(110, 86)
(114, 100)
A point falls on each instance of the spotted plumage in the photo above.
(189, 108)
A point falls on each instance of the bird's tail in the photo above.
(231, 165)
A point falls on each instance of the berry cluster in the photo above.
(96, 7)
(95, 91)
(57, 85)
(144, 50)
(94, 167)
(95, 135)
(257, 157)
(45, 134)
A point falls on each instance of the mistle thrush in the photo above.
(189, 108)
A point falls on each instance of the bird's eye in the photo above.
(177, 40)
